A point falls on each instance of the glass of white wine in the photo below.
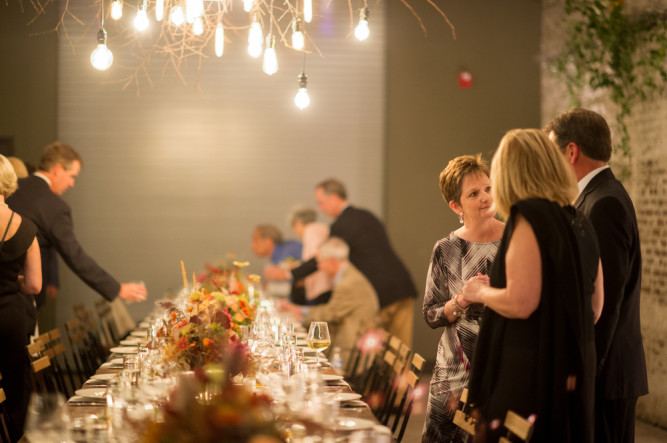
(318, 337)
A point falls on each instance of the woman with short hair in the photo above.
(464, 253)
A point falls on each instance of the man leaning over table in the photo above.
(371, 252)
(353, 308)
(38, 199)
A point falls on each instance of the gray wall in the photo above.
(430, 120)
(27, 80)
(177, 172)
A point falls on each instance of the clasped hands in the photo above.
(472, 290)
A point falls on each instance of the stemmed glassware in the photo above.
(318, 337)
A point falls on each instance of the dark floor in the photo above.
(644, 432)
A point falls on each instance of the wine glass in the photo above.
(318, 337)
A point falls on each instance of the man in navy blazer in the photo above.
(585, 140)
(38, 199)
(371, 252)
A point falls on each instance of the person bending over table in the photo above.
(353, 308)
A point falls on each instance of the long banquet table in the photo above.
(354, 420)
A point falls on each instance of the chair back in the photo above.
(518, 427)
(462, 417)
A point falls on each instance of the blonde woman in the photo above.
(535, 353)
(464, 253)
(20, 273)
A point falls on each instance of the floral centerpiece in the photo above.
(235, 415)
(207, 330)
(227, 275)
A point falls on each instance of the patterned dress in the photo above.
(453, 261)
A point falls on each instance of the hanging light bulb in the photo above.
(159, 10)
(141, 20)
(255, 38)
(270, 64)
(117, 9)
(198, 26)
(101, 58)
(177, 16)
(190, 11)
(297, 35)
(247, 5)
(193, 9)
(308, 11)
(302, 99)
(219, 40)
(361, 31)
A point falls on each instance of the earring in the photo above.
(461, 218)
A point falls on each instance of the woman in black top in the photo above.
(535, 353)
(20, 273)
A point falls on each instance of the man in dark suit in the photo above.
(372, 253)
(585, 140)
(38, 199)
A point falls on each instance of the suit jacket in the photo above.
(371, 253)
(35, 201)
(351, 311)
(621, 365)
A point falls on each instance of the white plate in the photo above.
(124, 350)
(92, 392)
(352, 424)
(303, 335)
(144, 324)
(331, 377)
(141, 334)
(134, 341)
(347, 396)
(103, 376)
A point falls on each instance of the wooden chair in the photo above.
(92, 337)
(518, 427)
(55, 350)
(380, 388)
(462, 417)
(85, 365)
(410, 379)
(107, 323)
(8, 432)
(363, 362)
(395, 389)
(44, 378)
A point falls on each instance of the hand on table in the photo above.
(132, 292)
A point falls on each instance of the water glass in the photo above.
(47, 419)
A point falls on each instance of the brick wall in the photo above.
(647, 187)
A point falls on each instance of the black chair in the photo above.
(364, 360)
(397, 385)
(411, 378)
(107, 323)
(85, 363)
